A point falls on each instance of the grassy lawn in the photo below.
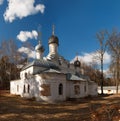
(15, 108)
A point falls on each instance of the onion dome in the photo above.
(77, 63)
(39, 47)
(53, 39)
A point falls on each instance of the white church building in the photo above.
(52, 78)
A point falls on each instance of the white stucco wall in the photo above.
(16, 87)
(92, 89)
(54, 82)
(70, 89)
(35, 82)
(28, 71)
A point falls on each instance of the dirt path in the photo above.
(15, 108)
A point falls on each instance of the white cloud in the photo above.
(1, 2)
(107, 73)
(89, 58)
(30, 53)
(107, 58)
(25, 35)
(21, 9)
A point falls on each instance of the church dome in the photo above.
(39, 47)
(53, 39)
(77, 63)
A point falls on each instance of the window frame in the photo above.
(60, 89)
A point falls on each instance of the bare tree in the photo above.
(114, 48)
(9, 58)
(102, 38)
(9, 48)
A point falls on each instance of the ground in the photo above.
(15, 108)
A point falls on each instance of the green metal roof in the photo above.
(70, 76)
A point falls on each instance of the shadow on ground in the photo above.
(15, 108)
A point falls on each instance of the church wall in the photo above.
(15, 87)
(67, 69)
(29, 71)
(34, 87)
(92, 89)
(24, 87)
(49, 87)
(68, 89)
(77, 89)
(72, 67)
(83, 90)
(64, 64)
(26, 72)
(86, 88)
(55, 90)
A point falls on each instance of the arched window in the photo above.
(25, 75)
(60, 89)
(24, 91)
(85, 88)
(77, 89)
(28, 88)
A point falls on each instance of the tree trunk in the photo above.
(102, 74)
(117, 80)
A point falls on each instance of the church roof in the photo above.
(72, 77)
(52, 71)
(53, 39)
(47, 70)
(39, 47)
(41, 63)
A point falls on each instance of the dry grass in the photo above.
(15, 108)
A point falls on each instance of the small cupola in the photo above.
(53, 38)
(77, 63)
(53, 43)
(39, 47)
(39, 51)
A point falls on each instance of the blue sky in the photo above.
(76, 22)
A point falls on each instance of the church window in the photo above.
(85, 88)
(28, 88)
(60, 89)
(25, 75)
(77, 89)
(68, 65)
(24, 91)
